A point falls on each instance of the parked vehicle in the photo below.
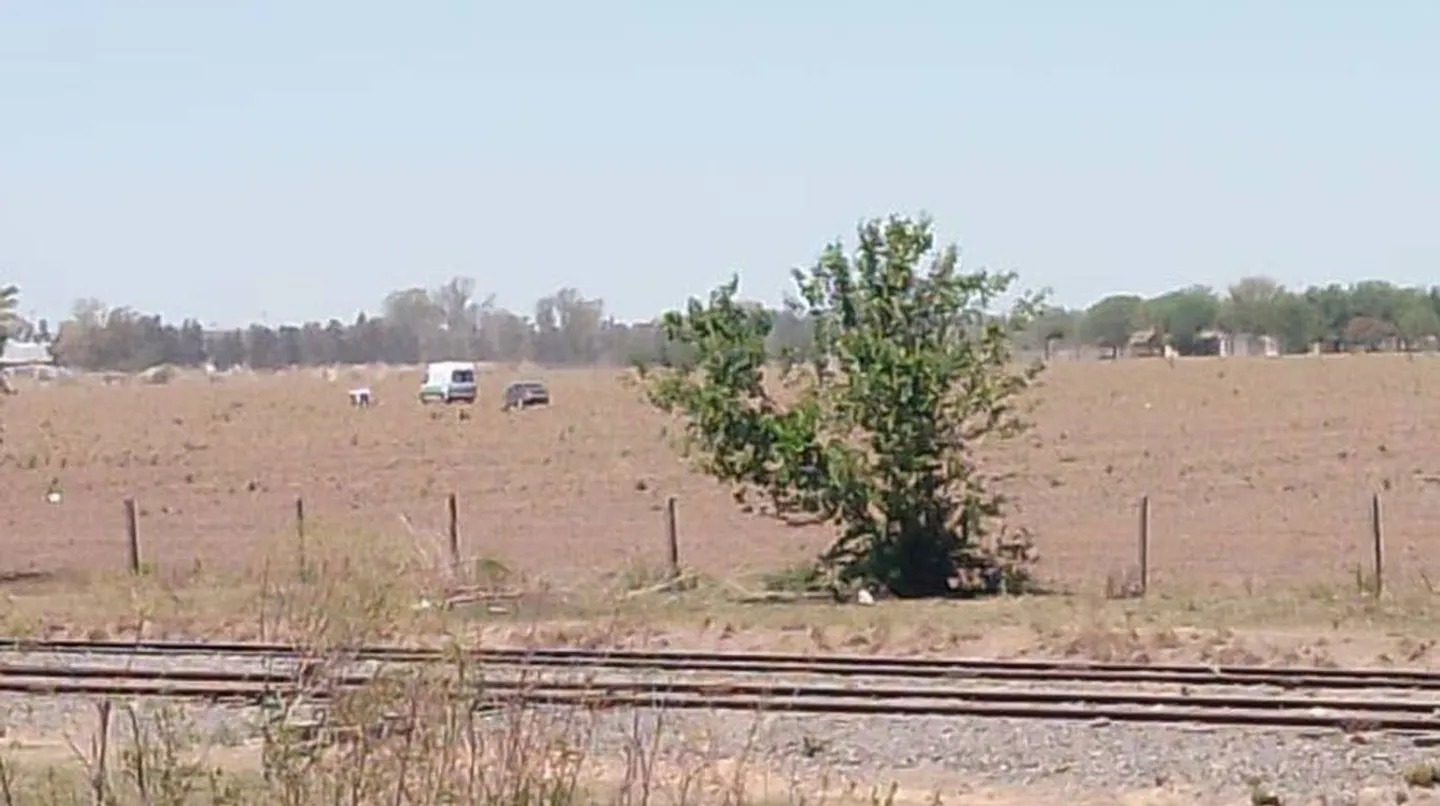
(449, 382)
(524, 394)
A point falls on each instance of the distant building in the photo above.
(1212, 342)
(1146, 343)
(25, 354)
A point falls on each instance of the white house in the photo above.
(25, 354)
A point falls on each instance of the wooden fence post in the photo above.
(1144, 545)
(1377, 531)
(132, 534)
(300, 532)
(672, 534)
(453, 530)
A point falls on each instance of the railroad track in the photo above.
(510, 676)
(1075, 703)
(770, 663)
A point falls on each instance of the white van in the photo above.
(449, 381)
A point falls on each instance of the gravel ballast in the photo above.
(947, 755)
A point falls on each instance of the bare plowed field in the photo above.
(1259, 472)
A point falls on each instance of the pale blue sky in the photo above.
(300, 158)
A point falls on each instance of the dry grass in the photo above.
(393, 596)
(414, 737)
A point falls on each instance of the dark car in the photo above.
(524, 394)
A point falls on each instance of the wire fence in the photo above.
(1152, 543)
(1171, 543)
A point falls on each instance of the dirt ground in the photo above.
(1259, 473)
(46, 765)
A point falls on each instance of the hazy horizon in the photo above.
(285, 162)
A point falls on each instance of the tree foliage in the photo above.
(1109, 322)
(875, 433)
(568, 329)
(1369, 315)
(412, 325)
(1184, 314)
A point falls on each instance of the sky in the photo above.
(286, 160)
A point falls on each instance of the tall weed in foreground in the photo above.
(421, 735)
(424, 737)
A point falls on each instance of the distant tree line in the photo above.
(567, 328)
(414, 325)
(1370, 315)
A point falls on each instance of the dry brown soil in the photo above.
(1259, 472)
(1260, 476)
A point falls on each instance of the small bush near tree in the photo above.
(876, 431)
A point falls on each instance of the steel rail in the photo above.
(1016, 704)
(404, 653)
(601, 687)
(1356, 721)
(773, 663)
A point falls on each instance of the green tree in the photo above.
(1377, 299)
(1109, 322)
(1253, 306)
(1299, 323)
(1050, 324)
(1368, 332)
(459, 323)
(415, 326)
(1183, 314)
(568, 328)
(1334, 308)
(1416, 319)
(909, 372)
